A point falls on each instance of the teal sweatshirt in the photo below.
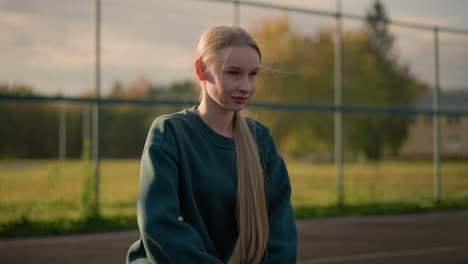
(188, 191)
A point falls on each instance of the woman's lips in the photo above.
(240, 99)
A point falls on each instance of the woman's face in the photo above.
(232, 79)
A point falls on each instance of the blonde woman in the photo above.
(213, 188)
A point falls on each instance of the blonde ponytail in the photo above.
(251, 198)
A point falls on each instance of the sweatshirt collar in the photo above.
(211, 135)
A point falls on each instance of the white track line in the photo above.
(370, 256)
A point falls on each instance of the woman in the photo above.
(213, 188)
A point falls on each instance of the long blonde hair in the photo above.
(251, 198)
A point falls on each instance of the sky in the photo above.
(50, 44)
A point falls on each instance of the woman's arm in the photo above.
(282, 242)
(164, 238)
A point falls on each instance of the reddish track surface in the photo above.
(416, 238)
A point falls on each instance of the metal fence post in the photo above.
(338, 104)
(97, 109)
(62, 133)
(236, 13)
(436, 117)
(86, 113)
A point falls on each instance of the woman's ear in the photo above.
(200, 70)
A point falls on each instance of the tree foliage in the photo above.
(300, 68)
(400, 87)
(31, 129)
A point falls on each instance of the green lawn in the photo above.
(44, 190)
(376, 182)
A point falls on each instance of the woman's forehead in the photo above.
(244, 57)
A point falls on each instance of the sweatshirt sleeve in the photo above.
(164, 238)
(282, 243)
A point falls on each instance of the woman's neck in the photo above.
(216, 117)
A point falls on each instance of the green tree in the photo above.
(29, 129)
(117, 90)
(300, 68)
(397, 86)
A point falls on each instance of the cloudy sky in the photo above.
(49, 44)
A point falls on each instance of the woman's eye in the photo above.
(233, 73)
(253, 73)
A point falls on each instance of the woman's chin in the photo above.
(237, 107)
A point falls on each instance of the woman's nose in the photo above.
(245, 85)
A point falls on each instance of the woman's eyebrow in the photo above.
(232, 67)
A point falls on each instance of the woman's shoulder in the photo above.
(165, 126)
(260, 131)
(166, 119)
(265, 142)
(162, 122)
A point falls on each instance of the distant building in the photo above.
(453, 128)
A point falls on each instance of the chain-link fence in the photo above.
(357, 121)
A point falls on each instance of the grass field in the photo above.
(45, 190)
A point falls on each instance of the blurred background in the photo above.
(367, 101)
